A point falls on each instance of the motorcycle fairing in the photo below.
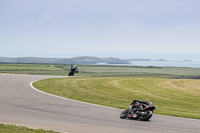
(149, 107)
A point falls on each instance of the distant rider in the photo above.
(74, 68)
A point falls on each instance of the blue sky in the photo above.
(101, 28)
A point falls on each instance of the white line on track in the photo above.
(31, 84)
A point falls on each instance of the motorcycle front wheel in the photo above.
(148, 114)
(123, 115)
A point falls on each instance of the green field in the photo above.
(173, 97)
(18, 129)
(101, 71)
(33, 69)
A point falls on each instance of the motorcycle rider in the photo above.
(137, 106)
(73, 70)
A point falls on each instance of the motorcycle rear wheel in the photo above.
(147, 116)
(70, 74)
(123, 115)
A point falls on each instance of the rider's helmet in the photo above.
(148, 101)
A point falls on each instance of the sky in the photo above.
(101, 28)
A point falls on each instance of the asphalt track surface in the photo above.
(21, 105)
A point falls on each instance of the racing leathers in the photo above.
(137, 106)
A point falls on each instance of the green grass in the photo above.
(173, 97)
(34, 69)
(101, 71)
(162, 72)
(19, 129)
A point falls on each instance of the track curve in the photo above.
(23, 106)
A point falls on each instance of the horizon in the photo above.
(133, 62)
(151, 59)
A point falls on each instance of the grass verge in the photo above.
(173, 97)
(19, 129)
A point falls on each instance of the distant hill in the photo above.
(74, 60)
(138, 59)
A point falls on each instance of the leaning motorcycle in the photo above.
(143, 114)
(74, 69)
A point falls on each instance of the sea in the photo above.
(192, 64)
(168, 63)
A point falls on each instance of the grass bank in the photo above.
(19, 129)
(173, 97)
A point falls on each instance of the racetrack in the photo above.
(20, 104)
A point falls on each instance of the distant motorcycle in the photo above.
(142, 111)
(73, 70)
